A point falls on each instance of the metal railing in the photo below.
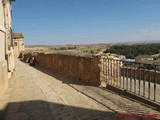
(137, 78)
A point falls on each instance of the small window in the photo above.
(15, 44)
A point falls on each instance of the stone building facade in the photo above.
(6, 51)
(144, 58)
(18, 41)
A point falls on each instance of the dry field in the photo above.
(83, 50)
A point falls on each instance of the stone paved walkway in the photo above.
(35, 94)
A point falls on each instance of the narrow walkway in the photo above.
(36, 95)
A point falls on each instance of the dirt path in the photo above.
(36, 95)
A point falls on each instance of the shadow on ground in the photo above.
(63, 79)
(41, 110)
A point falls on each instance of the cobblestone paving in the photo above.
(36, 95)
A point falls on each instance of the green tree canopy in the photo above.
(131, 51)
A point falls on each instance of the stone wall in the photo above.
(3, 77)
(2, 33)
(96, 70)
(86, 69)
(18, 46)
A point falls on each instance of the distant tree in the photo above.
(130, 55)
(134, 50)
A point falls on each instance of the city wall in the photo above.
(95, 70)
(86, 69)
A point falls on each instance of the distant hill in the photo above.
(138, 42)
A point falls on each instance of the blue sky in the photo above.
(54, 22)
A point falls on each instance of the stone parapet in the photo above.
(86, 69)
